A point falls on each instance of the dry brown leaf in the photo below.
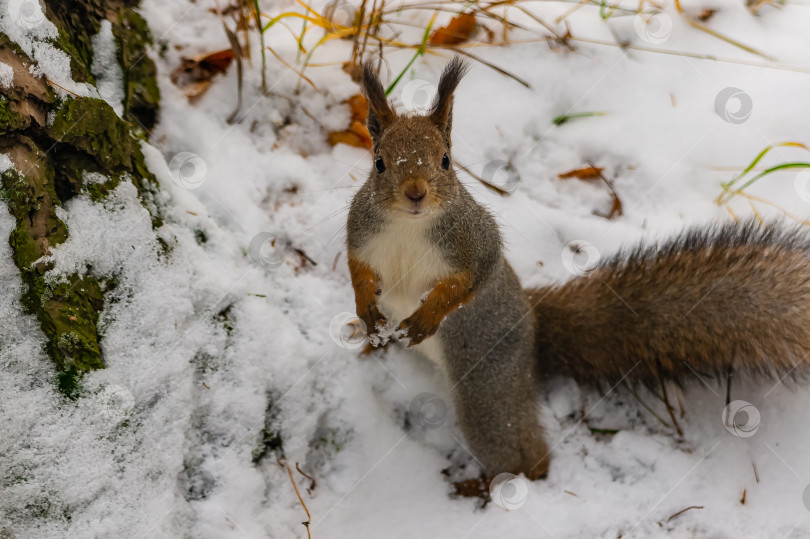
(357, 134)
(193, 75)
(616, 208)
(218, 61)
(590, 173)
(359, 107)
(458, 30)
(472, 488)
(587, 173)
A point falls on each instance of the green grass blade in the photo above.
(261, 42)
(564, 118)
(301, 38)
(419, 52)
(771, 170)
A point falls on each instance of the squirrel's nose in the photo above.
(416, 191)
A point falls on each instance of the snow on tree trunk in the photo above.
(58, 138)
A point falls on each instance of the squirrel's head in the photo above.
(412, 162)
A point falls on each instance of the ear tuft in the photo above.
(442, 110)
(380, 113)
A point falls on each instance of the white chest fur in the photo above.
(408, 265)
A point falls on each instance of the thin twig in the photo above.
(493, 66)
(682, 511)
(733, 215)
(372, 29)
(700, 26)
(492, 186)
(696, 56)
(300, 252)
(539, 21)
(62, 87)
(356, 53)
(571, 10)
(300, 499)
(237, 52)
(647, 406)
(258, 17)
(297, 467)
(652, 391)
(767, 203)
(729, 373)
(760, 221)
(291, 68)
(669, 406)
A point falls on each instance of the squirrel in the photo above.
(424, 254)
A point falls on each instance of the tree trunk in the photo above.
(53, 138)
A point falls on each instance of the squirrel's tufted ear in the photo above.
(442, 111)
(380, 113)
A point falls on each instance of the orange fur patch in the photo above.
(365, 285)
(449, 294)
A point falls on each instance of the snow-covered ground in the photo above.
(228, 338)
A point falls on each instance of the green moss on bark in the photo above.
(68, 310)
(90, 137)
(51, 162)
(80, 54)
(71, 318)
(79, 21)
(141, 92)
(10, 117)
(92, 126)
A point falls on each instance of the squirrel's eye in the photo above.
(379, 165)
(445, 162)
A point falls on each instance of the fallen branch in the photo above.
(669, 406)
(487, 184)
(307, 522)
(311, 486)
(682, 511)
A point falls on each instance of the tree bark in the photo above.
(52, 142)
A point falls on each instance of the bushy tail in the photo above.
(712, 300)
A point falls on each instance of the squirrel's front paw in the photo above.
(416, 329)
(375, 321)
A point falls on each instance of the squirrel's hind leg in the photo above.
(496, 404)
